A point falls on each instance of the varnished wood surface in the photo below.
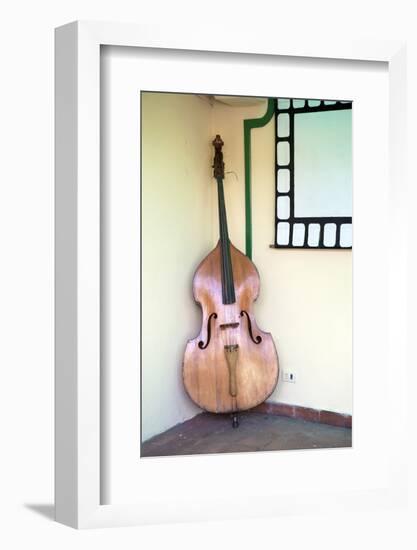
(206, 371)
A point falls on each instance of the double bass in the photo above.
(231, 365)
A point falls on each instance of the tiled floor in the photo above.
(211, 433)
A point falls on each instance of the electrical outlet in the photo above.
(289, 377)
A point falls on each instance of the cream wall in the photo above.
(305, 299)
(306, 295)
(176, 234)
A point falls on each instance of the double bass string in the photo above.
(226, 263)
(224, 244)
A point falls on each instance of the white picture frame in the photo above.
(78, 449)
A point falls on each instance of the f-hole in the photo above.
(256, 340)
(201, 344)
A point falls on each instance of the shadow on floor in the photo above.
(45, 510)
(213, 433)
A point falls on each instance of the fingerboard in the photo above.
(228, 288)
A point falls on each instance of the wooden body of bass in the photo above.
(213, 369)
